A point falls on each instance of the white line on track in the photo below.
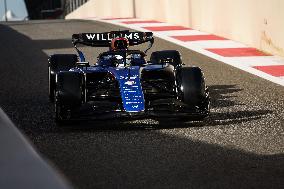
(149, 24)
(206, 44)
(181, 32)
(258, 61)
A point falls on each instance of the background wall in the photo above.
(103, 8)
(257, 23)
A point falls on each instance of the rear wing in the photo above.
(104, 39)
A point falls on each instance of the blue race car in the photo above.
(122, 83)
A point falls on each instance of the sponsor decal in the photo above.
(110, 36)
(130, 83)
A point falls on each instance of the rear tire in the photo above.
(57, 63)
(157, 56)
(69, 95)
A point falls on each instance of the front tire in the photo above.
(69, 95)
(51, 85)
(62, 114)
(193, 90)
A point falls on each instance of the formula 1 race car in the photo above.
(122, 83)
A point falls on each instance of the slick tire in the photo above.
(69, 95)
(57, 63)
(193, 88)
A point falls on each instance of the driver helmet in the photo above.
(119, 44)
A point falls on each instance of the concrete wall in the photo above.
(257, 23)
(103, 8)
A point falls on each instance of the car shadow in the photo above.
(214, 119)
(221, 95)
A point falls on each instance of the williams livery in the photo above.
(122, 83)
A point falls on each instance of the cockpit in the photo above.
(122, 58)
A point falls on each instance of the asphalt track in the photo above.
(241, 145)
